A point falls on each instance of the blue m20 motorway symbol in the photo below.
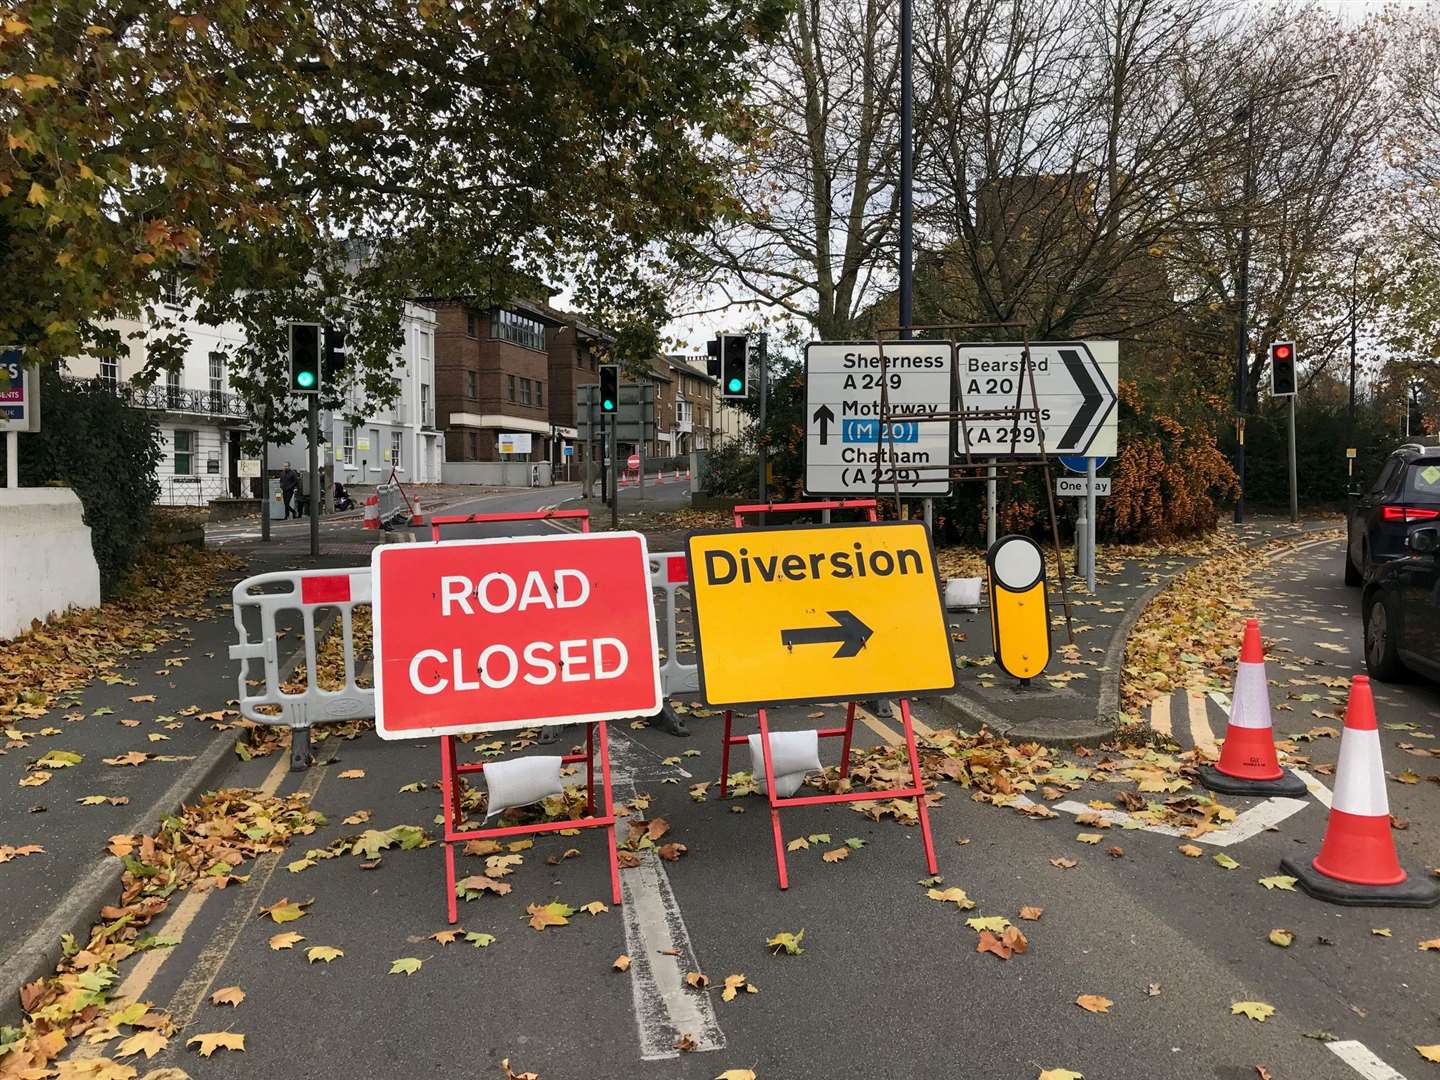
(868, 431)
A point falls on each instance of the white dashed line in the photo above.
(1358, 1057)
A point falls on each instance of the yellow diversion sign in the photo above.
(818, 613)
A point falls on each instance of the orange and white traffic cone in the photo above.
(1358, 864)
(417, 515)
(1248, 764)
(372, 512)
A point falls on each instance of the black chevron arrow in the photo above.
(849, 632)
(824, 417)
(1091, 402)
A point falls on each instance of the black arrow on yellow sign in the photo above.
(848, 632)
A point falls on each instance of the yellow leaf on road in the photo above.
(552, 914)
(1281, 937)
(287, 940)
(148, 1043)
(1089, 837)
(286, 910)
(1060, 1074)
(787, 943)
(227, 995)
(622, 963)
(406, 965)
(836, 855)
(1030, 914)
(595, 907)
(1094, 1003)
(217, 1040)
(1190, 851)
(1431, 1052)
(1433, 945)
(734, 984)
(352, 774)
(952, 895)
(1380, 931)
(1255, 1010)
(1279, 881)
(737, 1074)
(323, 953)
(697, 980)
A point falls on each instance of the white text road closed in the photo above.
(1074, 393)
(1078, 485)
(848, 451)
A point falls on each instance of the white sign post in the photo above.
(846, 452)
(1074, 393)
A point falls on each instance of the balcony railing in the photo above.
(175, 399)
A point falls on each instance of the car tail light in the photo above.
(1407, 513)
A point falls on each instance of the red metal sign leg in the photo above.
(450, 802)
(609, 813)
(845, 747)
(774, 808)
(920, 786)
(590, 769)
(725, 757)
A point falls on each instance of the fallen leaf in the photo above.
(990, 943)
(1060, 1074)
(686, 1043)
(1190, 851)
(551, 914)
(227, 995)
(148, 1043)
(836, 854)
(1064, 863)
(406, 965)
(134, 757)
(622, 963)
(59, 759)
(734, 984)
(1255, 1010)
(1089, 837)
(1226, 861)
(286, 910)
(1281, 937)
(1431, 1052)
(505, 1064)
(953, 895)
(671, 852)
(798, 844)
(323, 953)
(217, 1040)
(35, 779)
(786, 942)
(1031, 913)
(1279, 881)
(993, 923)
(143, 699)
(287, 940)
(595, 907)
(1094, 1003)
(1433, 945)
(737, 1074)
(471, 887)
(352, 774)
(1380, 931)
(697, 980)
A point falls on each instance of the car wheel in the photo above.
(1353, 576)
(1381, 658)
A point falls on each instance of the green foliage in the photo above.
(1319, 452)
(107, 452)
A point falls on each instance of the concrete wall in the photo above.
(496, 473)
(47, 560)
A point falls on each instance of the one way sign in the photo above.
(1074, 392)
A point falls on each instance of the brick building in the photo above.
(492, 377)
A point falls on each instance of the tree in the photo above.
(466, 148)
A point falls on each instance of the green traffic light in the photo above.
(608, 405)
(734, 386)
(305, 379)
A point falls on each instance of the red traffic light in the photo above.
(1282, 352)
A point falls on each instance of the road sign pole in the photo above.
(990, 502)
(929, 505)
(614, 483)
(640, 456)
(907, 94)
(314, 426)
(265, 478)
(1295, 486)
(12, 459)
(1090, 512)
(760, 442)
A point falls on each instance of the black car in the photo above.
(1404, 495)
(1402, 610)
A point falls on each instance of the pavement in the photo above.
(890, 981)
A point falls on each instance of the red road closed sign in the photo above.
(633, 463)
(481, 635)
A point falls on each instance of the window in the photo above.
(472, 384)
(349, 443)
(519, 329)
(470, 328)
(396, 460)
(172, 389)
(1422, 481)
(170, 288)
(524, 391)
(217, 379)
(425, 416)
(184, 453)
(474, 446)
(109, 371)
(510, 387)
(539, 392)
(1382, 482)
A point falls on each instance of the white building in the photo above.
(403, 437)
(201, 421)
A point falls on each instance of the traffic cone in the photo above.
(1248, 765)
(372, 512)
(1357, 864)
(417, 515)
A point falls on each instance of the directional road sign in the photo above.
(846, 449)
(818, 613)
(1079, 463)
(483, 635)
(1074, 389)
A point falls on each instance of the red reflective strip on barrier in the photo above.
(677, 570)
(334, 589)
(491, 519)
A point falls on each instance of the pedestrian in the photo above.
(289, 484)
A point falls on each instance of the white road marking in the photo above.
(1319, 790)
(1160, 716)
(1251, 823)
(1359, 1057)
(1200, 733)
(666, 1009)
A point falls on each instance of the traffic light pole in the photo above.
(313, 422)
(1294, 480)
(760, 457)
(614, 485)
(265, 479)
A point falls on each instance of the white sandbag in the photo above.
(520, 782)
(792, 755)
(962, 592)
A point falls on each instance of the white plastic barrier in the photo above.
(393, 506)
(670, 573)
(304, 591)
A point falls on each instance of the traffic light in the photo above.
(335, 355)
(609, 388)
(734, 366)
(712, 359)
(1282, 368)
(305, 358)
